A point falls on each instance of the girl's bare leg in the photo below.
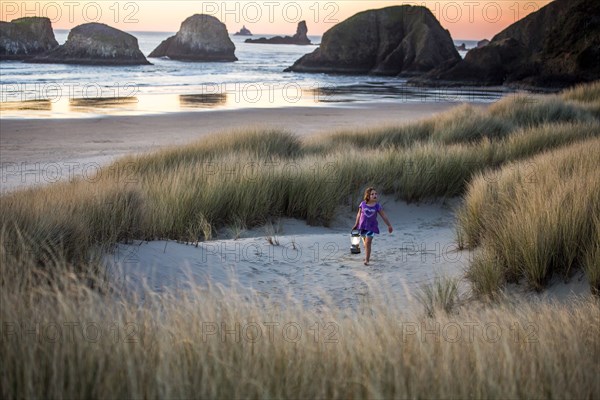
(367, 241)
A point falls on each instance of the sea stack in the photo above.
(243, 32)
(201, 38)
(398, 40)
(25, 38)
(557, 46)
(95, 44)
(300, 38)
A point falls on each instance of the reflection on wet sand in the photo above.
(29, 105)
(328, 94)
(103, 103)
(401, 92)
(205, 100)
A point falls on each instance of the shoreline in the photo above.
(70, 103)
(39, 151)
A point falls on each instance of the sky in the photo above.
(468, 20)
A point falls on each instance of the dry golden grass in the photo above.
(529, 110)
(64, 340)
(69, 220)
(586, 93)
(586, 96)
(535, 218)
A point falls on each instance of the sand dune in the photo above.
(310, 263)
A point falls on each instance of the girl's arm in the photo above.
(357, 219)
(386, 220)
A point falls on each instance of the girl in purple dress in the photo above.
(366, 220)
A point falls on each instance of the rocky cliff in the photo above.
(557, 46)
(395, 40)
(24, 38)
(95, 44)
(200, 38)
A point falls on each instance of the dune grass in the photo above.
(69, 221)
(535, 219)
(528, 110)
(468, 123)
(441, 295)
(586, 96)
(65, 340)
(586, 93)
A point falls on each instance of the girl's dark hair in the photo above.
(368, 193)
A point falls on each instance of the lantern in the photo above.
(355, 242)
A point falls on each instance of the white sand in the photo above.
(310, 263)
(558, 290)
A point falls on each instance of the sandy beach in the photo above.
(38, 151)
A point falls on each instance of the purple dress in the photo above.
(368, 217)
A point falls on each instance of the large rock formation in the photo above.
(25, 38)
(201, 38)
(389, 41)
(96, 44)
(300, 38)
(557, 46)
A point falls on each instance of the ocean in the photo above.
(257, 80)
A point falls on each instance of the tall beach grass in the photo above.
(586, 96)
(535, 219)
(65, 340)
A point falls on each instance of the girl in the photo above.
(366, 220)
